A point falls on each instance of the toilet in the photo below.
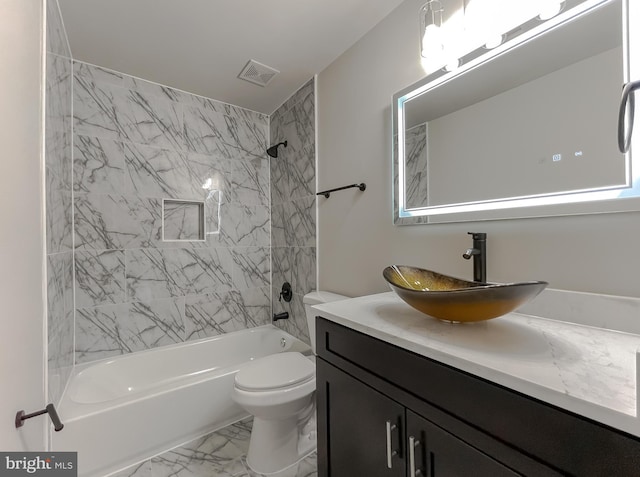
(279, 391)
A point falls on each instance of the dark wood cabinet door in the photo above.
(361, 432)
(437, 453)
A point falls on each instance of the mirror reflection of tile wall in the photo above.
(416, 166)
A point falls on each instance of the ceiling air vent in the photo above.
(257, 73)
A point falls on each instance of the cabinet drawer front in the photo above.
(563, 440)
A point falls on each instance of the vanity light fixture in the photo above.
(431, 44)
(494, 41)
(452, 64)
(485, 20)
(550, 8)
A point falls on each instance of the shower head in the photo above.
(273, 150)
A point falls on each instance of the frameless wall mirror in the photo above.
(525, 129)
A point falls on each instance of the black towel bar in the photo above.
(327, 193)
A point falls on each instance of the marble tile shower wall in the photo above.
(293, 201)
(58, 192)
(135, 143)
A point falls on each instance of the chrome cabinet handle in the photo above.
(413, 443)
(624, 137)
(390, 451)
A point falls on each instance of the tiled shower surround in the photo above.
(116, 146)
(59, 232)
(293, 202)
(135, 144)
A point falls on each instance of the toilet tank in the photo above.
(317, 298)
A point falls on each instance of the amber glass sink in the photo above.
(452, 299)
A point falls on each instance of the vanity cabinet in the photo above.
(432, 451)
(385, 411)
(363, 420)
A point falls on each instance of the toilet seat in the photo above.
(274, 372)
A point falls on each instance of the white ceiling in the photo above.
(201, 46)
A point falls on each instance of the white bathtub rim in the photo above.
(79, 367)
(71, 410)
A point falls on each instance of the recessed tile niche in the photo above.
(183, 220)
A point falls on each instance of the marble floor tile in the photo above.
(218, 454)
(307, 467)
(139, 470)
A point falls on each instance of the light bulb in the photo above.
(452, 64)
(550, 9)
(431, 41)
(494, 41)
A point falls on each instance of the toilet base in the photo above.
(276, 445)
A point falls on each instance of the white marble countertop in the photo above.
(587, 370)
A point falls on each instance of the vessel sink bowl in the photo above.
(452, 299)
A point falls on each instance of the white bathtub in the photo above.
(120, 411)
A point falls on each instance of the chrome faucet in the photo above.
(479, 254)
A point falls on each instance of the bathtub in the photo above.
(121, 411)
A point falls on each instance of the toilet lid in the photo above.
(275, 372)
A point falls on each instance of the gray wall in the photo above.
(22, 235)
(59, 224)
(293, 188)
(136, 143)
(357, 239)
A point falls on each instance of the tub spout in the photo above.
(281, 316)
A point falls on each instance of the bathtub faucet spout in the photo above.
(281, 316)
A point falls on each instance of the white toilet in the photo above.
(279, 390)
